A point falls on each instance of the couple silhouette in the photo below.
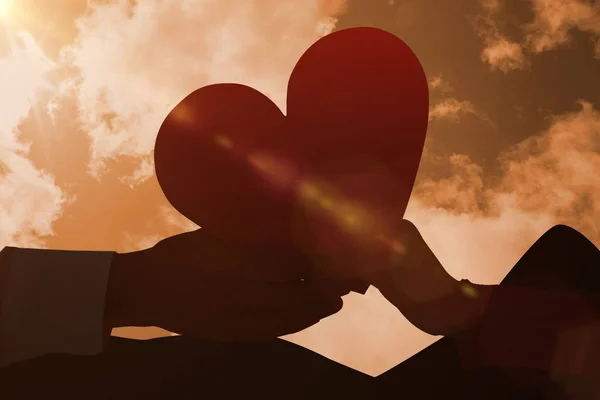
(330, 182)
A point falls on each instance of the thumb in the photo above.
(340, 287)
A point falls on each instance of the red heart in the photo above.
(206, 155)
(334, 173)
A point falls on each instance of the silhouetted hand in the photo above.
(418, 285)
(196, 285)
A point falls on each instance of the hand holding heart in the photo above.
(331, 178)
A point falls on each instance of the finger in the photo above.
(277, 296)
(360, 286)
(262, 325)
(339, 287)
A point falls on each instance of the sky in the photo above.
(513, 144)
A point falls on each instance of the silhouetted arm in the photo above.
(52, 302)
(68, 301)
(430, 298)
(452, 313)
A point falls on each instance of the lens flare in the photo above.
(350, 216)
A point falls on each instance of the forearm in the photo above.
(451, 314)
(4, 261)
(415, 281)
(114, 306)
(122, 306)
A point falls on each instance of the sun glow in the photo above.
(4, 9)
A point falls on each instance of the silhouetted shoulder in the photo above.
(566, 234)
(562, 258)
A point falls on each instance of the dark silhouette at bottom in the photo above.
(539, 339)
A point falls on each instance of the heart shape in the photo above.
(331, 176)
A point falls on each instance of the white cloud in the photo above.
(499, 52)
(558, 172)
(137, 62)
(30, 200)
(503, 54)
(174, 223)
(439, 84)
(552, 27)
(462, 193)
(555, 21)
(480, 231)
(451, 108)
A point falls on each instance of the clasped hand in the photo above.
(196, 285)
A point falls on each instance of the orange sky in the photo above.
(513, 144)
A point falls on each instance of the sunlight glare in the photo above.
(4, 9)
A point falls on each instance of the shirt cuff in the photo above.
(52, 302)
